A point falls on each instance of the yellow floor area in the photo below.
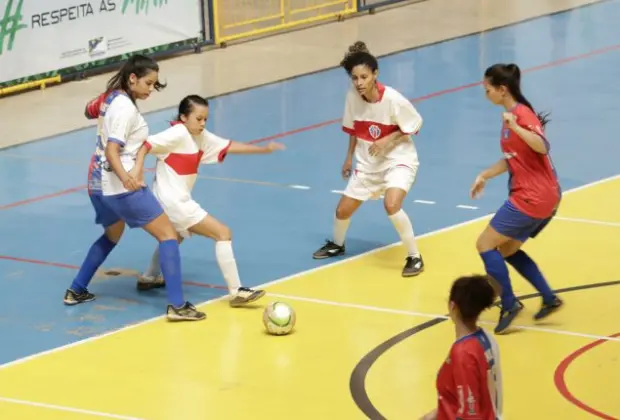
(228, 368)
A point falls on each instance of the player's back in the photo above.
(469, 383)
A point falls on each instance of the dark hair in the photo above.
(509, 75)
(357, 55)
(188, 103)
(472, 294)
(139, 65)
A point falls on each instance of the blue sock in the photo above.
(170, 262)
(529, 270)
(97, 254)
(495, 267)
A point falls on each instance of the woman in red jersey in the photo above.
(534, 194)
(469, 383)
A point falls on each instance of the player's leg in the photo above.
(398, 182)
(152, 278)
(354, 195)
(526, 267)
(507, 224)
(98, 252)
(141, 209)
(212, 228)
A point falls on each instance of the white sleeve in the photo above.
(167, 140)
(119, 119)
(214, 148)
(348, 120)
(406, 116)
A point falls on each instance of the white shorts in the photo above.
(184, 215)
(372, 186)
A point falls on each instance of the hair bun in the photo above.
(359, 46)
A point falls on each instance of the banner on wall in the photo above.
(42, 36)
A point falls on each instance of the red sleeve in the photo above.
(468, 370)
(92, 107)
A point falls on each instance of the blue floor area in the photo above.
(276, 229)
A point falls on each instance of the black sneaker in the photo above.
(246, 295)
(74, 298)
(507, 316)
(187, 312)
(330, 249)
(548, 308)
(413, 266)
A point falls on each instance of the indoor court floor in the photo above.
(368, 343)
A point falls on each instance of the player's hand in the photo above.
(131, 183)
(430, 416)
(477, 187)
(137, 173)
(273, 146)
(377, 147)
(346, 169)
(509, 118)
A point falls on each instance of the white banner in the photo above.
(40, 36)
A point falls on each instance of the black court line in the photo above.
(357, 382)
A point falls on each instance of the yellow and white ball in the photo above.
(279, 318)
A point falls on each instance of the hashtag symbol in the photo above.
(10, 24)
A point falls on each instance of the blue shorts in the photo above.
(511, 222)
(136, 208)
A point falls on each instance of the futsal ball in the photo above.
(279, 318)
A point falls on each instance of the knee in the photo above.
(392, 206)
(343, 212)
(223, 234)
(483, 244)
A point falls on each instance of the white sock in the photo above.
(403, 226)
(340, 230)
(154, 269)
(226, 260)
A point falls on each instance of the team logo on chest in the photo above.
(374, 131)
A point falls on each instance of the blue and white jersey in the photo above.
(119, 122)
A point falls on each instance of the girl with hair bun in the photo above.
(469, 382)
(534, 194)
(380, 123)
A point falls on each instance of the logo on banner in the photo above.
(142, 5)
(97, 46)
(10, 24)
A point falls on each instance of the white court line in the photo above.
(271, 283)
(433, 316)
(463, 206)
(69, 409)
(424, 201)
(589, 221)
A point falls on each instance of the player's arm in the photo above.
(494, 170)
(407, 118)
(240, 148)
(468, 369)
(529, 130)
(348, 126)
(91, 110)
(165, 141)
(117, 122)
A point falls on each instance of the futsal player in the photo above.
(380, 123)
(534, 194)
(116, 192)
(180, 150)
(469, 382)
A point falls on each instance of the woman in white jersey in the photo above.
(380, 123)
(180, 150)
(469, 382)
(116, 192)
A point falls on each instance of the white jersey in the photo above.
(391, 115)
(179, 155)
(119, 122)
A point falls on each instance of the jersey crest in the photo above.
(374, 131)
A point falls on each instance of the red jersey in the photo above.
(91, 111)
(533, 184)
(469, 383)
